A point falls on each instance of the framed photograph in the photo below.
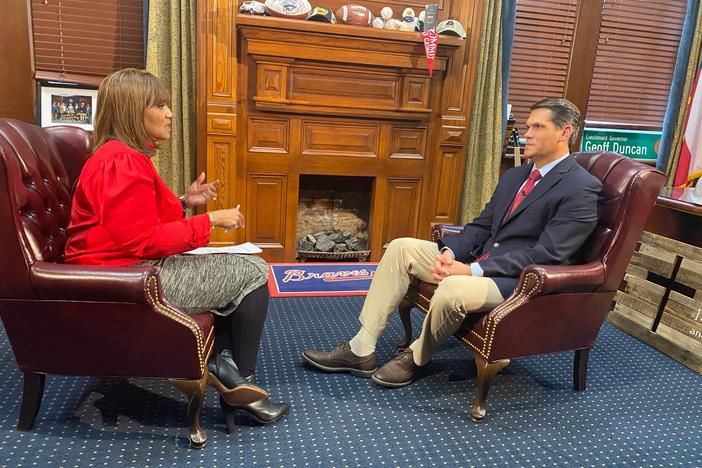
(66, 104)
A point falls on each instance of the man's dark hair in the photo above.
(563, 112)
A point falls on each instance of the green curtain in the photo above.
(482, 168)
(693, 64)
(170, 55)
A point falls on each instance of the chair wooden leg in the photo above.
(32, 393)
(405, 308)
(195, 391)
(486, 372)
(580, 369)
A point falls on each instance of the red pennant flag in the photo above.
(431, 43)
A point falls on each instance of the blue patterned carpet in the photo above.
(641, 409)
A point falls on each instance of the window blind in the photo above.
(636, 54)
(543, 37)
(85, 40)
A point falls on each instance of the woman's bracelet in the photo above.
(212, 224)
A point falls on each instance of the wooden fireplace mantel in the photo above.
(279, 99)
(327, 30)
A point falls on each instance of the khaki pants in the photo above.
(455, 297)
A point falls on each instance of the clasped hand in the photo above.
(199, 192)
(445, 265)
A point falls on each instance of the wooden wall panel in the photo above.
(266, 199)
(408, 143)
(16, 72)
(416, 93)
(216, 89)
(266, 135)
(453, 136)
(340, 138)
(272, 81)
(221, 41)
(221, 123)
(450, 172)
(343, 85)
(221, 165)
(402, 210)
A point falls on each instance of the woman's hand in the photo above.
(200, 193)
(227, 219)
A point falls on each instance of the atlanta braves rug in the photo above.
(320, 279)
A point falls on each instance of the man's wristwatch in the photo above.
(183, 204)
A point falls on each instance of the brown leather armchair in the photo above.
(81, 320)
(557, 308)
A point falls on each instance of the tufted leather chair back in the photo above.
(38, 168)
(629, 193)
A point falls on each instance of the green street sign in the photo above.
(637, 144)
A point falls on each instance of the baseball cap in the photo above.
(452, 27)
(321, 14)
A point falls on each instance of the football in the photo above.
(298, 9)
(354, 14)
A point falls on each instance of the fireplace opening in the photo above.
(332, 218)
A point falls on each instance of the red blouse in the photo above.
(124, 213)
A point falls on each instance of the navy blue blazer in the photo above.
(547, 228)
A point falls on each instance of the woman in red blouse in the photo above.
(124, 214)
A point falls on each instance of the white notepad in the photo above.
(245, 248)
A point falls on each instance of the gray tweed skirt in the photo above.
(215, 282)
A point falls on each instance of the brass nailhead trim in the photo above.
(152, 293)
(425, 311)
(511, 304)
(499, 312)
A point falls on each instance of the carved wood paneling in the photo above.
(272, 81)
(408, 142)
(450, 169)
(297, 87)
(453, 136)
(17, 93)
(265, 198)
(416, 93)
(221, 41)
(402, 210)
(266, 135)
(221, 123)
(221, 165)
(343, 86)
(462, 69)
(340, 139)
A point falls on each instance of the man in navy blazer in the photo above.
(539, 213)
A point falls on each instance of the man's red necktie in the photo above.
(528, 186)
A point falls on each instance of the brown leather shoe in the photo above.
(398, 372)
(341, 359)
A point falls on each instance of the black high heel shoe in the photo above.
(263, 411)
(232, 387)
